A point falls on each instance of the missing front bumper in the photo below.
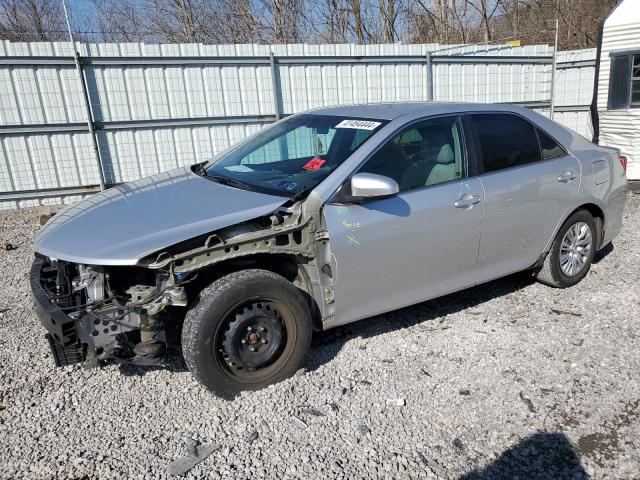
(66, 354)
(65, 335)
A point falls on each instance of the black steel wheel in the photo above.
(248, 330)
(252, 338)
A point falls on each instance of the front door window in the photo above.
(426, 153)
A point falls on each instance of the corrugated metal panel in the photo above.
(574, 86)
(51, 94)
(44, 201)
(577, 121)
(620, 128)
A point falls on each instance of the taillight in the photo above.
(623, 162)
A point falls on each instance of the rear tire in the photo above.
(571, 253)
(249, 329)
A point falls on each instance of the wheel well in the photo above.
(598, 216)
(287, 266)
(282, 264)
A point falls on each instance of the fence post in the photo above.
(274, 83)
(85, 96)
(552, 100)
(90, 126)
(429, 77)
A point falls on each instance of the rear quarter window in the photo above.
(550, 148)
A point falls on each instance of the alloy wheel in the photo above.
(575, 248)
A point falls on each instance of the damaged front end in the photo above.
(91, 313)
(95, 313)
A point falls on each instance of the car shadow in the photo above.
(174, 364)
(395, 206)
(603, 252)
(540, 456)
(326, 345)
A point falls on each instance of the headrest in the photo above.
(446, 155)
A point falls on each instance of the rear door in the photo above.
(529, 182)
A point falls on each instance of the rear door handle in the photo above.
(567, 176)
(467, 201)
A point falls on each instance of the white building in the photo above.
(618, 84)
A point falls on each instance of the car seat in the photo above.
(389, 161)
(434, 164)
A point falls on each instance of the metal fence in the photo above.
(150, 108)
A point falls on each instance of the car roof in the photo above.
(391, 111)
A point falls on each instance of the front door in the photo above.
(419, 244)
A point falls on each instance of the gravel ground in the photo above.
(508, 379)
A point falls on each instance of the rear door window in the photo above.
(505, 141)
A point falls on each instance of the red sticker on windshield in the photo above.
(314, 164)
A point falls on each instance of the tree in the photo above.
(122, 21)
(32, 20)
(486, 12)
(389, 16)
(532, 21)
(320, 21)
(358, 20)
(334, 15)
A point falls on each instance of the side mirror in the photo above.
(370, 185)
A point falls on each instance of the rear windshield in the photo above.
(294, 155)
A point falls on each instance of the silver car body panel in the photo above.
(610, 196)
(126, 223)
(399, 251)
(384, 254)
(546, 203)
(522, 208)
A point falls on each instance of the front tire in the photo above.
(572, 251)
(249, 329)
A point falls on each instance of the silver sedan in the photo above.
(322, 219)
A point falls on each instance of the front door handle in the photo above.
(567, 176)
(467, 201)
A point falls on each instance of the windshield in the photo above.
(294, 155)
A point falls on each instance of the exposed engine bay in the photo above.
(131, 313)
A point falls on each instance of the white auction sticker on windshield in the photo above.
(359, 124)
